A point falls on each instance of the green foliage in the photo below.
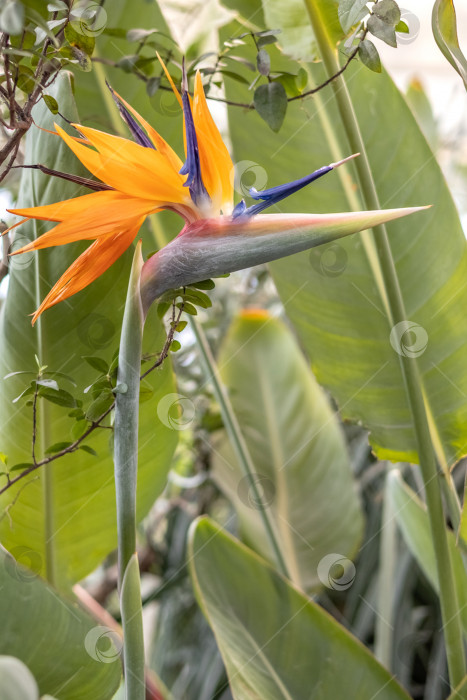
(339, 309)
(411, 516)
(275, 642)
(65, 512)
(444, 26)
(369, 55)
(302, 466)
(270, 102)
(67, 652)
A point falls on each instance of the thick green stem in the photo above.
(236, 438)
(409, 367)
(126, 466)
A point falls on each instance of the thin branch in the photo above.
(97, 423)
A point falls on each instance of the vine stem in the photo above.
(236, 438)
(409, 367)
(126, 467)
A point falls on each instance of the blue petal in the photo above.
(192, 166)
(276, 194)
(136, 131)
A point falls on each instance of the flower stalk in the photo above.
(409, 367)
(126, 466)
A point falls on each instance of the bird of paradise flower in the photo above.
(141, 177)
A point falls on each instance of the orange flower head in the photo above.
(137, 178)
(134, 179)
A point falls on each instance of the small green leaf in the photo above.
(351, 12)
(30, 390)
(83, 42)
(89, 450)
(60, 397)
(57, 447)
(198, 298)
(402, 27)
(79, 428)
(270, 102)
(204, 284)
(382, 30)
(26, 80)
(100, 405)
(51, 103)
(3, 458)
(188, 308)
(263, 62)
(97, 363)
(21, 467)
(50, 383)
(181, 325)
(388, 11)
(175, 346)
(12, 17)
(77, 413)
(369, 55)
(265, 40)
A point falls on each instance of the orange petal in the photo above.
(66, 209)
(134, 169)
(216, 164)
(169, 78)
(105, 216)
(156, 138)
(89, 158)
(89, 266)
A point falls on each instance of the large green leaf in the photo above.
(68, 654)
(412, 519)
(302, 466)
(444, 25)
(295, 36)
(276, 643)
(335, 296)
(66, 514)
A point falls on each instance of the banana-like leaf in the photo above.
(444, 25)
(295, 36)
(412, 519)
(335, 295)
(64, 513)
(69, 655)
(302, 467)
(276, 643)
